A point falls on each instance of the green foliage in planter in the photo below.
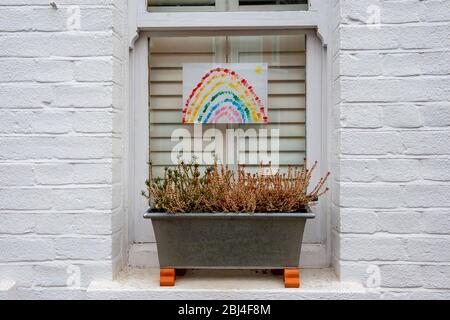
(184, 189)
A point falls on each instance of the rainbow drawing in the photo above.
(227, 93)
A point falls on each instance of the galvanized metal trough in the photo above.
(229, 241)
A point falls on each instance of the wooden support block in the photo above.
(167, 277)
(292, 278)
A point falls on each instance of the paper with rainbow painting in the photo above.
(225, 93)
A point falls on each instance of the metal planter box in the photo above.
(229, 241)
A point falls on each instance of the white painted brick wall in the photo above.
(392, 89)
(63, 125)
(62, 115)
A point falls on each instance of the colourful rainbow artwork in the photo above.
(227, 93)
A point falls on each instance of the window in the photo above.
(225, 5)
(285, 57)
(292, 41)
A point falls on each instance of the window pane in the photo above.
(226, 5)
(182, 2)
(182, 5)
(285, 57)
(270, 2)
(167, 56)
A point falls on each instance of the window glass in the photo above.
(272, 2)
(226, 5)
(285, 58)
(182, 5)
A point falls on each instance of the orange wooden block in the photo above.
(292, 278)
(167, 277)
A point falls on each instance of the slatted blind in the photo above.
(271, 2)
(182, 5)
(167, 56)
(285, 56)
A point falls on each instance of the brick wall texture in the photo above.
(391, 199)
(62, 146)
(63, 149)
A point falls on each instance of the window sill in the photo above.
(214, 284)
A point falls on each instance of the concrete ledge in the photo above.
(143, 284)
(7, 290)
(52, 293)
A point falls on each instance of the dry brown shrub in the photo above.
(221, 190)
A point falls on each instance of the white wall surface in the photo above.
(392, 169)
(63, 149)
(62, 118)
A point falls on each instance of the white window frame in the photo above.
(144, 24)
(315, 18)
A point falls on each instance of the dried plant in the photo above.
(184, 189)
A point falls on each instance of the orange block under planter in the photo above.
(167, 277)
(292, 278)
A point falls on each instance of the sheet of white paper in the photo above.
(225, 93)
